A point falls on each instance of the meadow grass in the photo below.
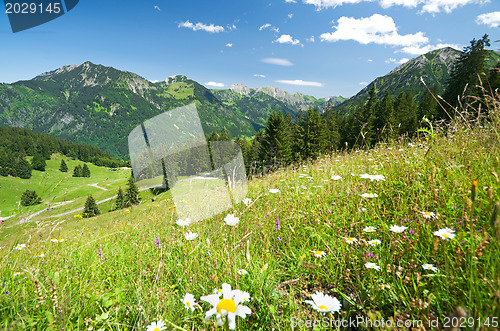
(126, 269)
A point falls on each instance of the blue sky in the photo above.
(316, 47)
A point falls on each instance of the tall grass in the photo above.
(133, 282)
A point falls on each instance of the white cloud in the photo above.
(419, 50)
(378, 29)
(311, 40)
(290, 16)
(428, 6)
(491, 19)
(363, 83)
(157, 8)
(290, 1)
(229, 45)
(299, 82)
(214, 84)
(258, 75)
(277, 61)
(287, 39)
(391, 60)
(370, 60)
(231, 27)
(269, 26)
(201, 26)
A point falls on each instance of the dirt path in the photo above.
(99, 187)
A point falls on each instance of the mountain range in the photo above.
(100, 105)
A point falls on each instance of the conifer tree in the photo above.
(120, 199)
(21, 168)
(91, 208)
(384, 123)
(428, 106)
(30, 198)
(275, 148)
(85, 171)
(77, 172)
(38, 162)
(63, 167)
(132, 193)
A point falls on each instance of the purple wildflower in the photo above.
(480, 230)
(412, 232)
(329, 210)
(100, 253)
(454, 207)
(158, 244)
(370, 254)
(459, 222)
(300, 212)
(278, 238)
(6, 292)
(463, 242)
(277, 223)
(208, 253)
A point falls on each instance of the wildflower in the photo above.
(217, 291)
(40, 255)
(190, 235)
(242, 272)
(230, 306)
(428, 266)
(374, 242)
(370, 254)
(372, 177)
(336, 177)
(189, 301)
(99, 252)
(362, 210)
(231, 220)
(412, 232)
(57, 241)
(383, 286)
(278, 238)
(370, 229)
(324, 303)
(274, 190)
(183, 223)
(19, 247)
(371, 265)
(247, 201)
(427, 214)
(445, 233)
(156, 326)
(319, 253)
(18, 274)
(350, 240)
(369, 195)
(397, 228)
(157, 241)
(277, 223)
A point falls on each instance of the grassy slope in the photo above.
(135, 283)
(55, 187)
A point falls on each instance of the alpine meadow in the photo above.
(379, 211)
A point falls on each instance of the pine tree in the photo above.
(275, 148)
(38, 162)
(21, 168)
(464, 76)
(77, 172)
(63, 167)
(132, 193)
(30, 198)
(120, 199)
(429, 106)
(384, 124)
(91, 208)
(85, 171)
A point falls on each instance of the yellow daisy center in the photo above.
(427, 213)
(226, 304)
(318, 252)
(188, 304)
(156, 329)
(445, 235)
(322, 307)
(349, 239)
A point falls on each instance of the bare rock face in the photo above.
(241, 89)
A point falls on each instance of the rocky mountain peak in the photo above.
(241, 89)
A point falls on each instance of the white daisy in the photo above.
(371, 265)
(217, 291)
(427, 214)
(18, 274)
(397, 228)
(228, 307)
(156, 326)
(19, 247)
(370, 229)
(57, 241)
(189, 301)
(374, 242)
(40, 255)
(190, 235)
(350, 240)
(242, 272)
(324, 303)
(428, 266)
(372, 177)
(183, 223)
(274, 190)
(336, 177)
(247, 201)
(383, 286)
(319, 253)
(445, 233)
(362, 209)
(231, 220)
(369, 195)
